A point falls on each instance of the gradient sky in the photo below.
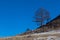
(17, 15)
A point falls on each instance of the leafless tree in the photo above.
(41, 16)
(47, 16)
(27, 29)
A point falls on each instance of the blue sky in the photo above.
(17, 15)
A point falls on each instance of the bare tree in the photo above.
(47, 16)
(28, 29)
(41, 16)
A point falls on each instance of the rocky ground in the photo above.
(53, 35)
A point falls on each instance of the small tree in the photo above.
(47, 16)
(41, 16)
(28, 29)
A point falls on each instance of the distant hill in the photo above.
(51, 25)
(46, 32)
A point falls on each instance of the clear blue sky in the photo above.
(16, 15)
